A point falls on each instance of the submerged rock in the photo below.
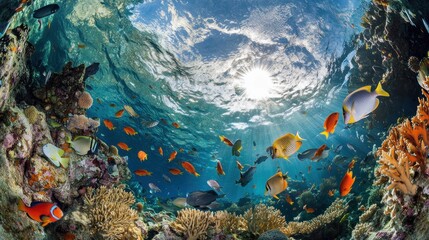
(273, 235)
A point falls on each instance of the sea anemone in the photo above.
(85, 100)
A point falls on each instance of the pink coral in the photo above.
(85, 100)
(81, 122)
(8, 141)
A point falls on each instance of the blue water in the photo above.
(181, 61)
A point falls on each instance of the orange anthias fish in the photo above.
(142, 172)
(226, 141)
(190, 168)
(142, 156)
(330, 124)
(175, 171)
(44, 212)
(108, 124)
(307, 209)
(176, 125)
(124, 146)
(160, 151)
(331, 192)
(319, 152)
(346, 183)
(130, 131)
(352, 164)
(219, 168)
(119, 113)
(172, 156)
(289, 200)
(239, 166)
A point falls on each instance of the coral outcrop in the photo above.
(193, 224)
(228, 223)
(262, 218)
(332, 213)
(110, 213)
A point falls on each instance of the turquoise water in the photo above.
(182, 62)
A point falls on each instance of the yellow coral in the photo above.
(192, 223)
(32, 114)
(261, 218)
(336, 210)
(110, 213)
(228, 223)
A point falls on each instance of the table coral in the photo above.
(192, 223)
(110, 213)
(262, 218)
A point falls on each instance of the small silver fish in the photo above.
(426, 25)
(149, 124)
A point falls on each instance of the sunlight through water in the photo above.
(257, 83)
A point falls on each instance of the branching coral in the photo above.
(362, 231)
(228, 223)
(407, 144)
(368, 213)
(110, 213)
(336, 210)
(261, 218)
(192, 223)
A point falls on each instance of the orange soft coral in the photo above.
(406, 145)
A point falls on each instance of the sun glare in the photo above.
(257, 83)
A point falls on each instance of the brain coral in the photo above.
(32, 114)
(85, 100)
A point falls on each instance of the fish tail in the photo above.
(196, 174)
(275, 196)
(380, 91)
(65, 162)
(326, 133)
(297, 137)
(21, 205)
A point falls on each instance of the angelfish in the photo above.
(361, 102)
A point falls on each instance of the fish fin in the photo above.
(326, 133)
(45, 220)
(297, 137)
(275, 196)
(377, 102)
(380, 91)
(364, 88)
(196, 174)
(60, 151)
(65, 162)
(21, 205)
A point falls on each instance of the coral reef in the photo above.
(228, 223)
(32, 114)
(333, 212)
(193, 224)
(362, 231)
(81, 123)
(262, 218)
(110, 213)
(273, 235)
(85, 100)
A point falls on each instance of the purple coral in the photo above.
(9, 141)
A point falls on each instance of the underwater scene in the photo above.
(212, 119)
